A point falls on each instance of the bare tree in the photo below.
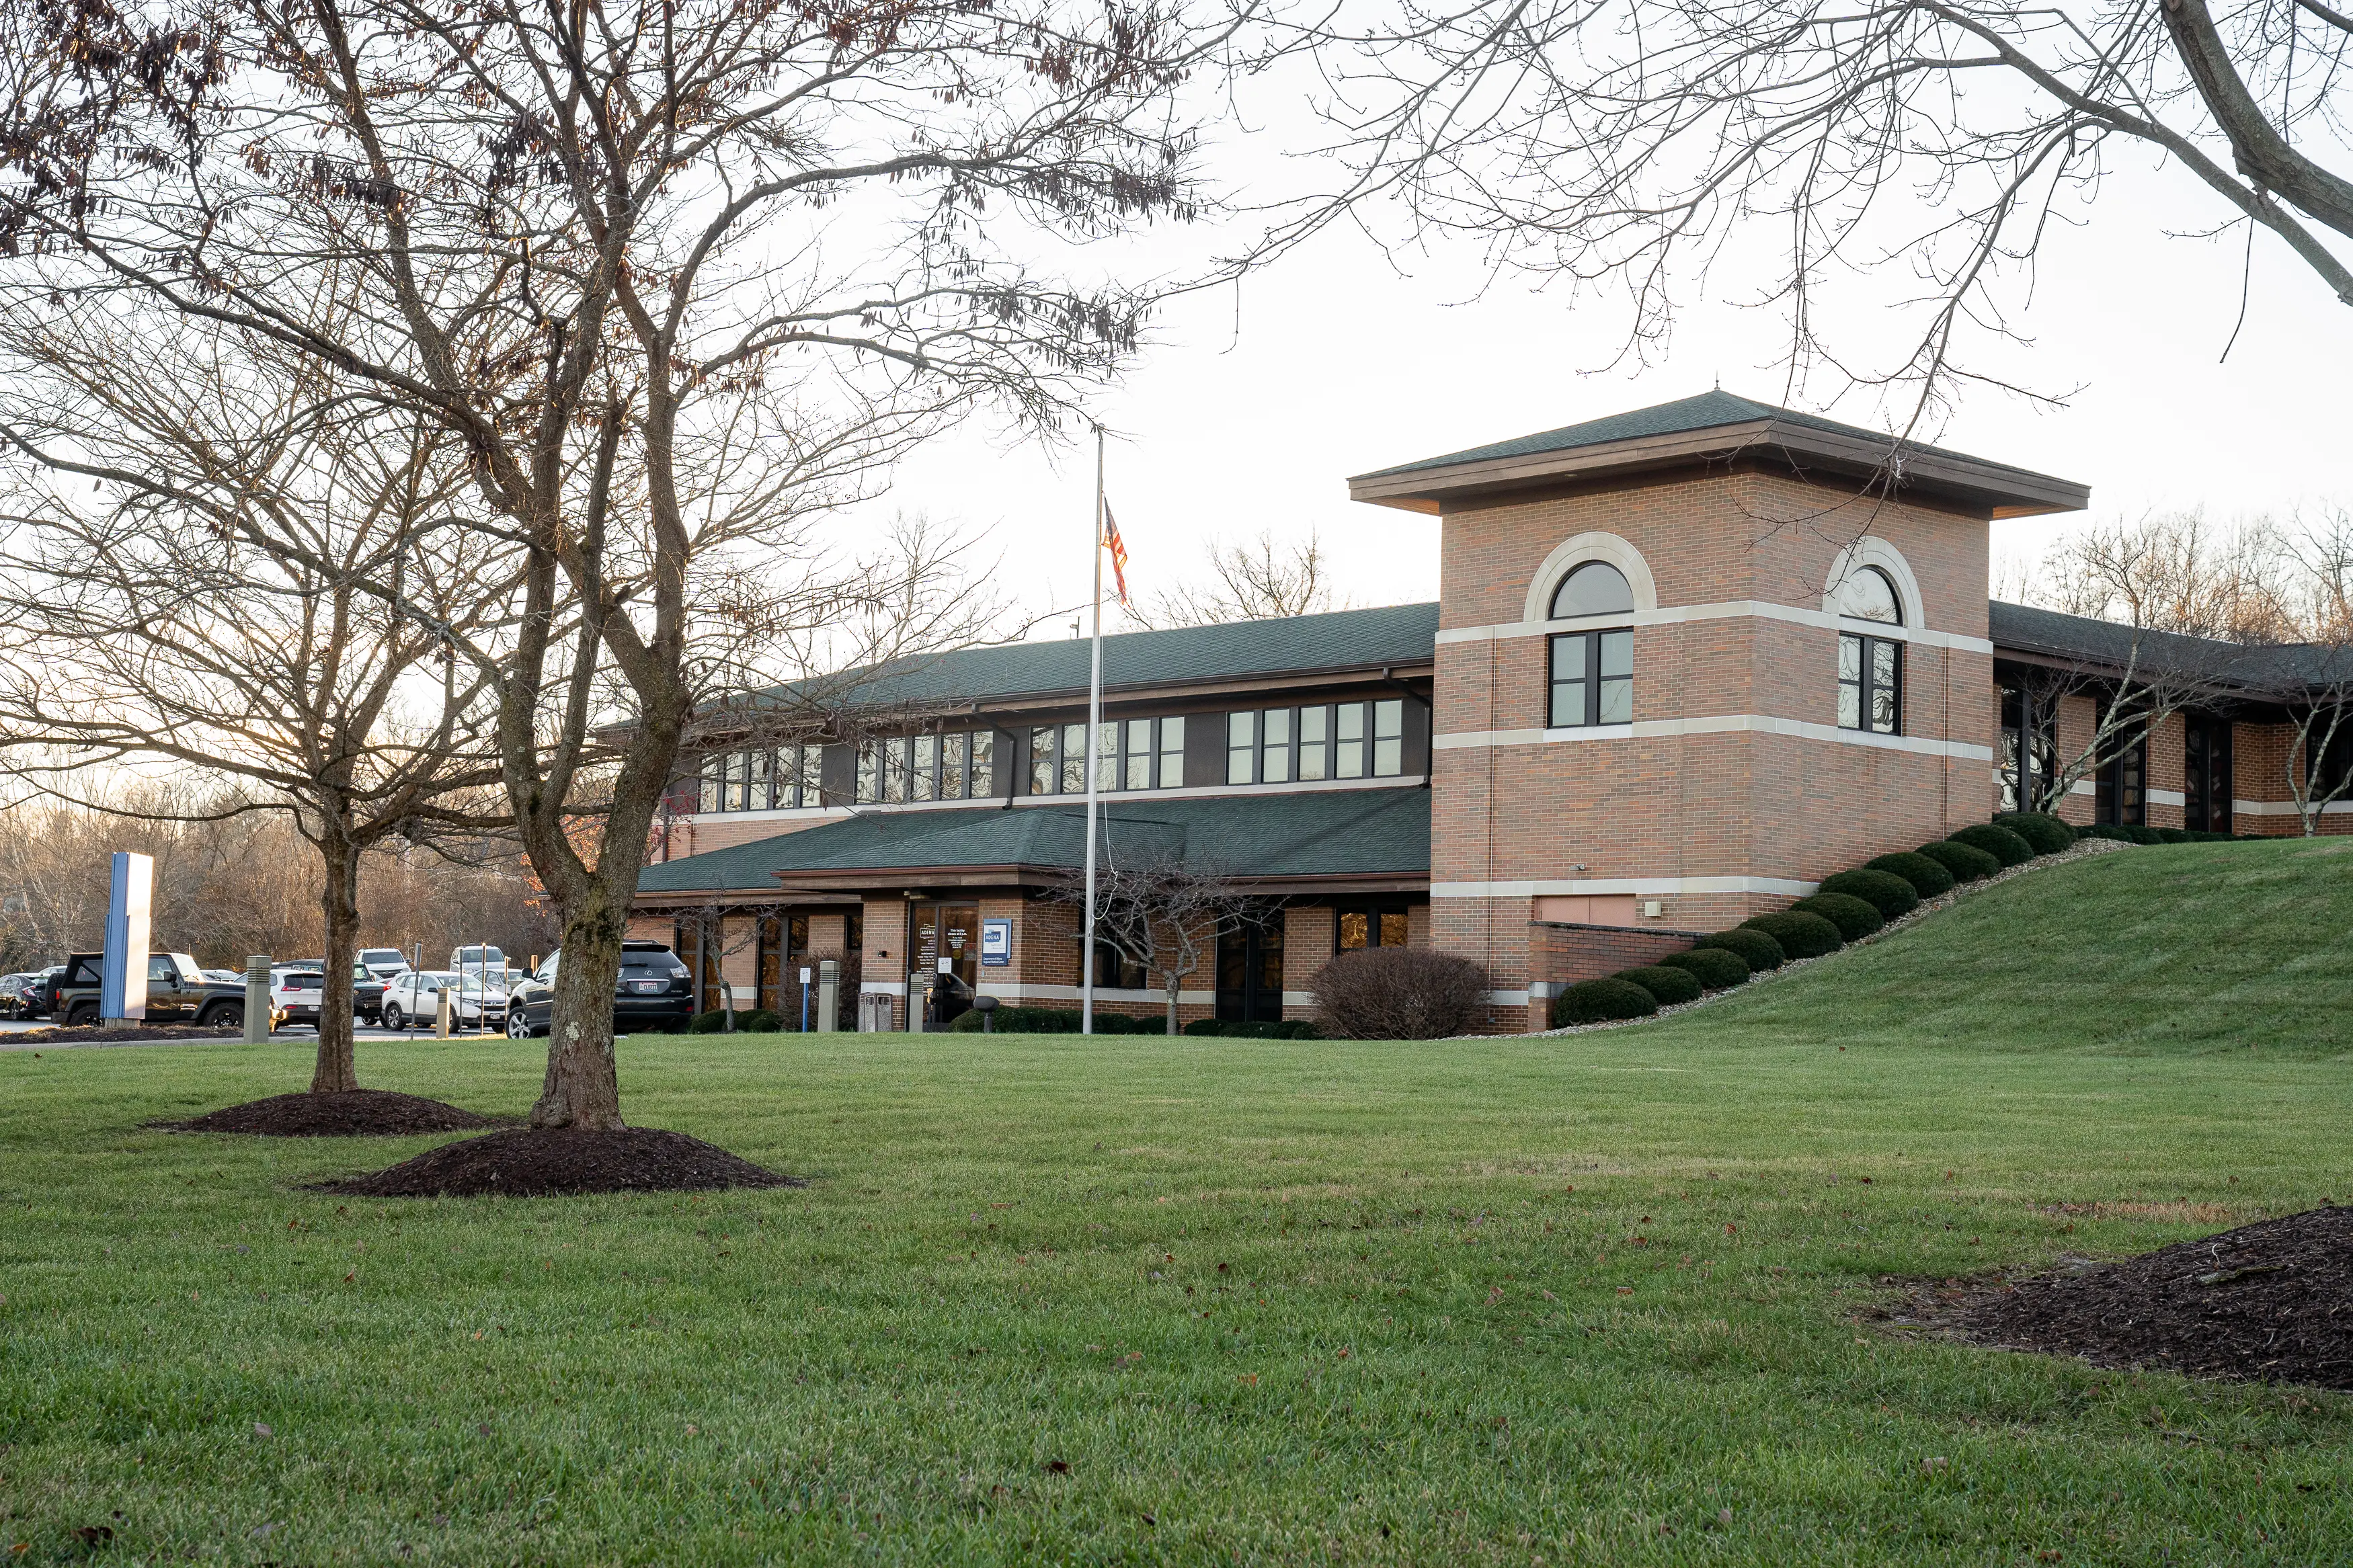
(2313, 681)
(214, 603)
(1256, 580)
(1620, 146)
(2187, 609)
(678, 275)
(1158, 909)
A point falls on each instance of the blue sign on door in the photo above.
(995, 943)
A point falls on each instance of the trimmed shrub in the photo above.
(711, 1023)
(1967, 862)
(1800, 934)
(2171, 835)
(1852, 916)
(1601, 1001)
(760, 1021)
(1669, 985)
(1400, 993)
(2044, 833)
(1999, 842)
(1753, 948)
(1715, 968)
(1927, 878)
(1885, 891)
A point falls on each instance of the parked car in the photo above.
(655, 991)
(13, 990)
(45, 989)
(464, 958)
(178, 991)
(383, 962)
(297, 994)
(415, 997)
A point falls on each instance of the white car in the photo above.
(383, 962)
(295, 995)
(415, 997)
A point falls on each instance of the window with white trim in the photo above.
(1590, 673)
(957, 765)
(781, 778)
(1870, 669)
(1130, 755)
(1312, 744)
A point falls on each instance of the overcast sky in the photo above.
(1340, 364)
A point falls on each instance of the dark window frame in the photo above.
(1378, 925)
(1866, 684)
(1593, 699)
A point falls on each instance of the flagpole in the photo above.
(1094, 724)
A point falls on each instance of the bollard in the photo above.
(829, 994)
(441, 1013)
(257, 998)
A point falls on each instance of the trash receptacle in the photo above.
(875, 1012)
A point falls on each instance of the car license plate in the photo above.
(648, 987)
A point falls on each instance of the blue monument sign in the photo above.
(123, 981)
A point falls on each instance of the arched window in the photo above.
(1596, 588)
(1867, 594)
(1871, 668)
(1592, 672)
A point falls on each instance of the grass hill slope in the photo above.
(2162, 948)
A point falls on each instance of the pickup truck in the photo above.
(177, 991)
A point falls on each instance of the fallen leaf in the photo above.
(1058, 1467)
(94, 1534)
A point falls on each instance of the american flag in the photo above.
(1118, 548)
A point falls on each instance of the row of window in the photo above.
(1308, 744)
(1592, 672)
(775, 779)
(959, 766)
(1135, 753)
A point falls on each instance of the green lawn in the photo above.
(1058, 1300)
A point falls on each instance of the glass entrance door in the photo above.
(1249, 969)
(947, 960)
(2206, 768)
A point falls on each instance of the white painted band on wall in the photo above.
(1637, 886)
(2286, 808)
(1729, 609)
(1508, 998)
(812, 815)
(2168, 797)
(1712, 724)
(883, 987)
(1016, 991)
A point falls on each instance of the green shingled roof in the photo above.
(1342, 639)
(1704, 412)
(1307, 834)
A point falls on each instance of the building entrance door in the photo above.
(1249, 969)
(947, 960)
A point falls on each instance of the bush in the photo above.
(1715, 968)
(1852, 916)
(1286, 1029)
(2044, 833)
(1967, 862)
(1753, 948)
(1400, 993)
(760, 1021)
(1601, 1001)
(2171, 835)
(1885, 891)
(1800, 934)
(1999, 842)
(1927, 878)
(711, 1023)
(1669, 985)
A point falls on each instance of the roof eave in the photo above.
(2001, 491)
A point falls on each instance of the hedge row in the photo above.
(1846, 906)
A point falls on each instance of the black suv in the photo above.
(655, 992)
(177, 991)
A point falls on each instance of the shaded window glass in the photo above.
(1242, 740)
(1314, 743)
(895, 768)
(1617, 678)
(1172, 754)
(812, 775)
(1394, 927)
(1570, 669)
(1074, 759)
(870, 772)
(1348, 741)
(1107, 755)
(712, 786)
(1136, 758)
(923, 784)
(756, 786)
(1043, 769)
(951, 755)
(1871, 684)
(983, 778)
(1274, 746)
(1388, 738)
(1596, 588)
(1356, 930)
(1867, 594)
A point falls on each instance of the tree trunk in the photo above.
(336, 1072)
(582, 1090)
(1174, 980)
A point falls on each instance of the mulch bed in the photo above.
(543, 1164)
(354, 1113)
(2269, 1302)
(87, 1032)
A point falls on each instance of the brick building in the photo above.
(1684, 663)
